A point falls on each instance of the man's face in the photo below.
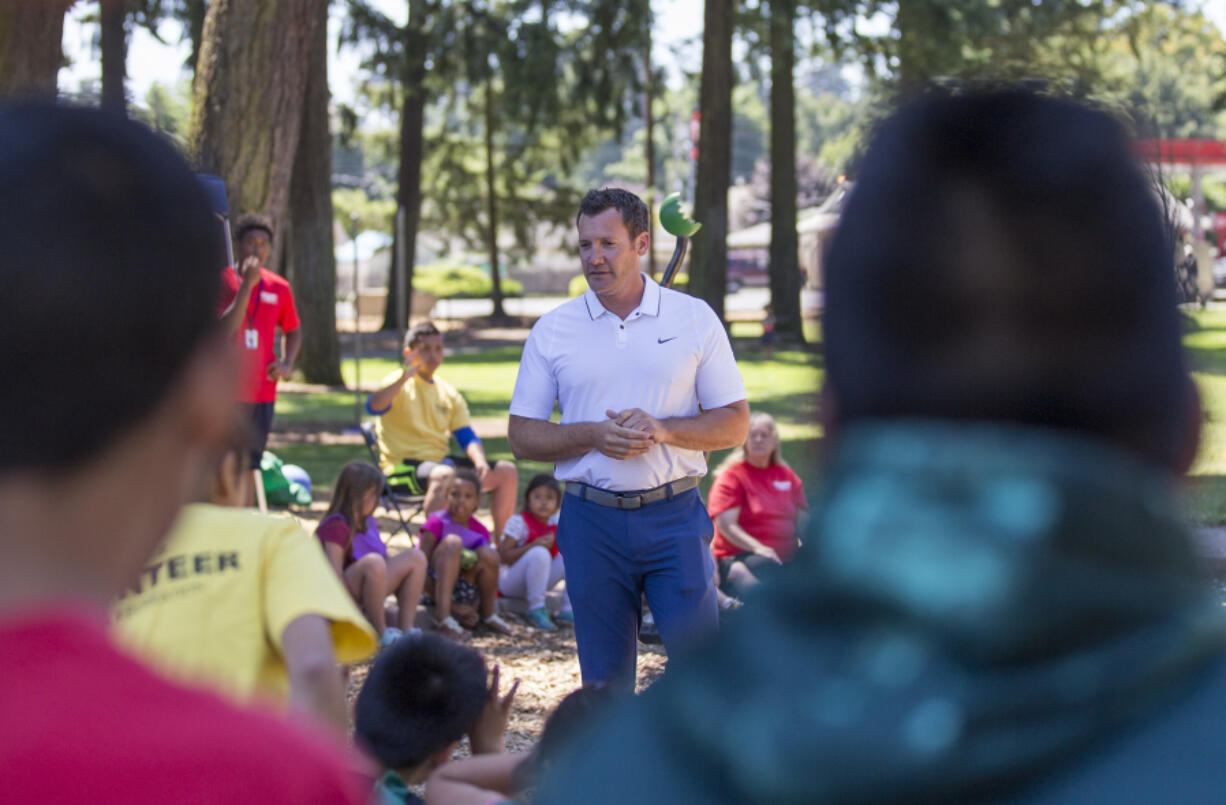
(610, 258)
(254, 242)
(429, 349)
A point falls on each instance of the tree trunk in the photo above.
(784, 260)
(250, 86)
(114, 55)
(31, 46)
(491, 203)
(193, 13)
(709, 264)
(650, 145)
(412, 151)
(311, 252)
(922, 36)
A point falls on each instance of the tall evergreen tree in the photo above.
(709, 263)
(784, 258)
(311, 258)
(114, 46)
(31, 46)
(249, 93)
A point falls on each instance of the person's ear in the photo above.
(642, 243)
(232, 479)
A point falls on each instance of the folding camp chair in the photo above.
(392, 499)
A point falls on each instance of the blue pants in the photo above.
(613, 557)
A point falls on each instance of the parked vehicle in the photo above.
(746, 267)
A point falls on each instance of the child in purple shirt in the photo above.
(463, 564)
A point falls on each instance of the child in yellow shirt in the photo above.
(245, 603)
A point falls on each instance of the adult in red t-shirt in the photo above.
(758, 505)
(254, 308)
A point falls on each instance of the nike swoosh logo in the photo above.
(666, 340)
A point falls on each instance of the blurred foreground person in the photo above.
(116, 399)
(996, 599)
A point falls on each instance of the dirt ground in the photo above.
(544, 662)
(546, 665)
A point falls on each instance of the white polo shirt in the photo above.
(668, 357)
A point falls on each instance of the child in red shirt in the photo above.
(530, 555)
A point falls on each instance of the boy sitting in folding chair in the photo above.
(418, 414)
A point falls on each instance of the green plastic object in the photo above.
(676, 219)
(279, 490)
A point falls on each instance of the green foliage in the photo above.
(578, 284)
(452, 281)
(167, 109)
(1059, 41)
(1166, 68)
(373, 214)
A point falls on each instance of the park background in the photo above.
(447, 143)
(450, 137)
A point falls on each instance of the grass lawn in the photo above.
(786, 387)
(1205, 340)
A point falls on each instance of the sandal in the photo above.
(449, 628)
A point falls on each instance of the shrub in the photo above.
(578, 284)
(452, 281)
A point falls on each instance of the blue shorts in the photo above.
(614, 557)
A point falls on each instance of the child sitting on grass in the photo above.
(462, 563)
(528, 550)
(422, 695)
(351, 540)
(244, 602)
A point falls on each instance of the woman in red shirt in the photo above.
(758, 505)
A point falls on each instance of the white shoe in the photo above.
(497, 624)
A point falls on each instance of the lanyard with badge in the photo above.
(251, 336)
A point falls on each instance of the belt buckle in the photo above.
(624, 502)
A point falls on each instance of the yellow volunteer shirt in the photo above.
(419, 424)
(211, 607)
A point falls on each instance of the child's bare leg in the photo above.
(445, 560)
(406, 574)
(487, 579)
(367, 583)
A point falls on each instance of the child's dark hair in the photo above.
(423, 693)
(465, 474)
(574, 714)
(112, 256)
(542, 479)
(352, 486)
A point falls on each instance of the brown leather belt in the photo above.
(630, 500)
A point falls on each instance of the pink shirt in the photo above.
(441, 525)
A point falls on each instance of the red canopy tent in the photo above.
(1193, 155)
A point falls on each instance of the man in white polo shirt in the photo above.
(646, 382)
